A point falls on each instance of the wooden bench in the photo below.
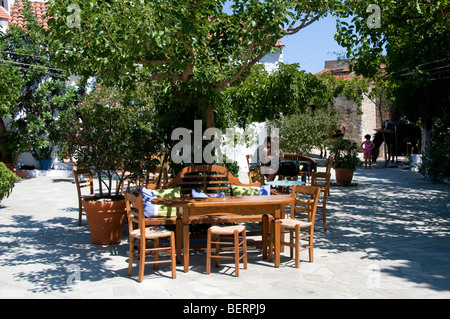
(210, 179)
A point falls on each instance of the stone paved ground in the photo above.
(387, 238)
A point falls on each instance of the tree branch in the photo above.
(304, 24)
(145, 62)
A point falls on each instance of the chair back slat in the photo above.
(209, 179)
(135, 211)
(329, 164)
(82, 181)
(322, 180)
(306, 199)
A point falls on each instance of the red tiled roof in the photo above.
(3, 14)
(17, 16)
(279, 44)
(339, 73)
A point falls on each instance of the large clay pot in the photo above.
(106, 220)
(343, 176)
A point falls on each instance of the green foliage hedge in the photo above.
(7, 180)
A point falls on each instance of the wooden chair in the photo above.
(83, 182)
(234, 231)
(306, 198)
(152, 235)
(322, 180)
(329, 165)
(254, 176)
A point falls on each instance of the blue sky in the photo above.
(312, 46)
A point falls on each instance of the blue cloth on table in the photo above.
(197, 194)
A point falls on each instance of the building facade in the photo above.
(357, 124)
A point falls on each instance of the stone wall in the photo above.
(350, 118)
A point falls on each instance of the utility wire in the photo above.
(24, 54)
(30, 65)
(32, 70)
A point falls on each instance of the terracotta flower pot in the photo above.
(106, 220)
(343, 176)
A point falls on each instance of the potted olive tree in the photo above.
(109, 131)
(346, 159)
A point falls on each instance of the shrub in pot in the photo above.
(346, 159)
(44, 156)
(109, 131)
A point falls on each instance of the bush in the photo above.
(7, 180)
(436, 164)
(302, 132)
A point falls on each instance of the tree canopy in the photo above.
(193, 48)
(409, 38)
(33, 89)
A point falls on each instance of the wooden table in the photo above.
(189, 209)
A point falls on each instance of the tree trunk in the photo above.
(382, 129)
(209, 115)
(426, 126)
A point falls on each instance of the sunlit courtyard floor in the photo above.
(388, 237)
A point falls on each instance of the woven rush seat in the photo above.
(291, 223)
(144, 241)
(306, 198)
(227, 230)
(217, 231)
(151, 233)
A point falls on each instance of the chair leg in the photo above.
(297, 246)
(236, 253)
(291, 243)
(179, 239)
(244, 247)
(217, 261)
(271, 240)
(208, 252)
(265, 235)
(324, 216)
(141, 260)
(131, 253)
(311, 242)
(156, 245)
(80, 213)
(172, 255)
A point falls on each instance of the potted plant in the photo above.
(44, 156)
(346, 159)
(7, 180)
(109, 132)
